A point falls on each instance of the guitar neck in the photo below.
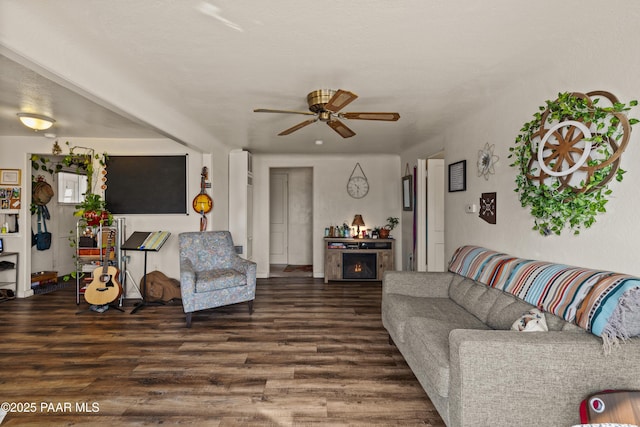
(107, 255)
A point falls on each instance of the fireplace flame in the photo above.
(358, 268)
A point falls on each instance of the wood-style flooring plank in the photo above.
(312, 354)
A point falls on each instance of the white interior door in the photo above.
(430, 215)
(435, 215)
(278, 217)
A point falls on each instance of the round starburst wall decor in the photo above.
(567, 155)
(486, 161)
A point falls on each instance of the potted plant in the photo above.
(93, 210)
(392, 222)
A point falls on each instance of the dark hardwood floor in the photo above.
(311, 354)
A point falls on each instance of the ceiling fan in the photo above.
(325, 105)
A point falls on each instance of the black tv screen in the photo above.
(146, 184)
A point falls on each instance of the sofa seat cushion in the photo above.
(428, 340)
(399, 309)
(215, 280)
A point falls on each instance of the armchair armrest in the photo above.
(418, 284)
(187, 277)
(507, 378)
(245, 266)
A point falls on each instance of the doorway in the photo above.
(430, 218)
(291, 222)
(61, 222)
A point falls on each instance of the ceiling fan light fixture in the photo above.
(325, 105)
(36, 121)
(324, 116)
(319, 98)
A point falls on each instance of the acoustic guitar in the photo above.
(104, 288)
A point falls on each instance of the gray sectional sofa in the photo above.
(455, 334)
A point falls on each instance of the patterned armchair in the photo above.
(212, 274)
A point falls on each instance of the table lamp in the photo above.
(357, 221)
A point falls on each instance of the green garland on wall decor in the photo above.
(566, 157)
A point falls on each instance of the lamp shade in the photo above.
(36, 121)
(357, 220)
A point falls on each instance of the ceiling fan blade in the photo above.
(267, 110)
(339, 100)
(340, 127)
(298, 126)
(387, 117)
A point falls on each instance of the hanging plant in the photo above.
(84, 162)
(567, 155)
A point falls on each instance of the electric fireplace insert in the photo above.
(359, 266)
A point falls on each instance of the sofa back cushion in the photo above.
(506, 311)
(495, 308)
(598, 301)
(474, 297)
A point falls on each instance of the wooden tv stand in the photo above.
(370, 258)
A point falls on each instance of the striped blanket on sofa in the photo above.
(604, 303)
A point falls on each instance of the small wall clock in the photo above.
(358, 185)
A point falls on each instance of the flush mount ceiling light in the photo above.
(36, 121)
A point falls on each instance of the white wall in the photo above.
(331, 203)
(611, 243)
(14, 154)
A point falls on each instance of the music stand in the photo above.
(145, 241)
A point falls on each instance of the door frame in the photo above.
(308, 236)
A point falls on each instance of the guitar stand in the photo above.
(110, 305)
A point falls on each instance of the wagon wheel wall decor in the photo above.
(567, 155)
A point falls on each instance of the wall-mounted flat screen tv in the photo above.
(147, 184)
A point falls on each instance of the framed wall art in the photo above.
(458, 176)
(407, 193)
(10, 198)
(9, 176)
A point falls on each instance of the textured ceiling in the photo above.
(194, 70)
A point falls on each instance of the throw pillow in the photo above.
(531, 321)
